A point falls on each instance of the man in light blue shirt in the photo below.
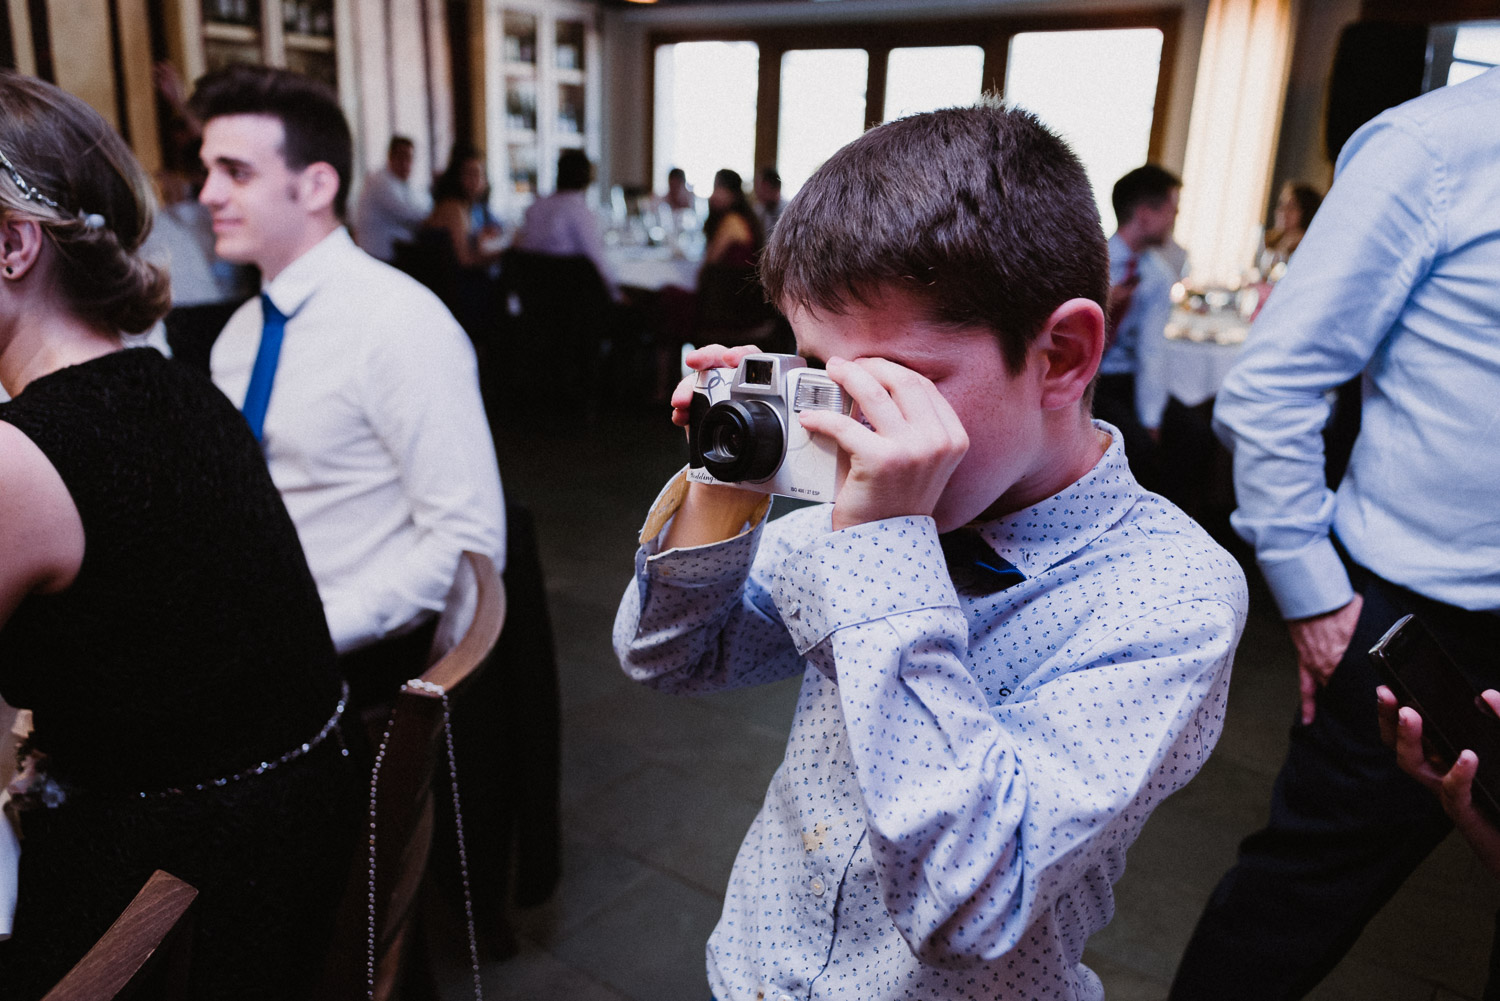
(1131, 393)
(1399, 279)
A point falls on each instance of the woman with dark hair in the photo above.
(156, 614)
(459, 208)
(1295, 207)
(733, 234)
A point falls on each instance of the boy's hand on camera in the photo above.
(900, 463)
(700, 360)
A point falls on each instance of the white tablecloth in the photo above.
(651, 268)
(1200, 350)
(1196, 370)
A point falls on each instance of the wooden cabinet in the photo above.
(540, 85)
(313, 37)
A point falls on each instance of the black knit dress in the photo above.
(190, 647)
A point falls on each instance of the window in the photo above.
(932, 77)
(822, 108)
(705, 111)
(1104, 114)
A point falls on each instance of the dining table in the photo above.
(651, 268)
(1201, 347)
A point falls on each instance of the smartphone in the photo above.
(1454, 718)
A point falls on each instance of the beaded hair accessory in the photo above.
(30, 192)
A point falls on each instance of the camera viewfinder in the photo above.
(759, 371)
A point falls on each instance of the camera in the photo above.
(743, 428)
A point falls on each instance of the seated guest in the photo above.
(679, 196)
(156, 612)
(733, 231)
(562, 224)
(390, 208)
(458, 246)
(727, 303)
(460, 210)
(768, 201)
(1295, 207)
(360, 386)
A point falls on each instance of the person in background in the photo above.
(360, 385)
(157, 615)
(732, 232)
(986, 720)
(679, 197)
(768, 203)
(563, 225)
(390, 208)
(1131, 393)
(1394, 284)
(1295, 207)
(460, 209)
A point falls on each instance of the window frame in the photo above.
(878, 38)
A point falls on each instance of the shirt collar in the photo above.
(300, 279)
(1041, 536)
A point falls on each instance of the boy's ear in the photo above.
(1069, 346)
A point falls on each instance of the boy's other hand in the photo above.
(701, 360)
(903, 453)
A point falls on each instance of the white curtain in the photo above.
(1242, 77)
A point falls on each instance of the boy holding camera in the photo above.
(978, 739)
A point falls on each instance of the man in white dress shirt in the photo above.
(369, 412)
(389, 208)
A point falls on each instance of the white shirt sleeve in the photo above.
(421, 397)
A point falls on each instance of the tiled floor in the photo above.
(658, 791)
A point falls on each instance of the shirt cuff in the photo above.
(1311, 583)
(670, 500)
(860, 574)
(694, 566)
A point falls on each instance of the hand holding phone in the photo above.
(1454, 718)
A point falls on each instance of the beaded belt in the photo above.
(266, 766)
(34, 787)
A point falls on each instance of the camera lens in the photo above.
(742, 440)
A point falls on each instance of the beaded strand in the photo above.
(463, 855)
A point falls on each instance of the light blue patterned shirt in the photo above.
(1398, 278)
(963, 775)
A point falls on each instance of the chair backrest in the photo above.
(429, 257)
(413, 752)
(731, 302)
(151, 938)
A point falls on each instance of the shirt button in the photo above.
(817, 886)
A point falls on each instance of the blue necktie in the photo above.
(258, 394)
(976, 569)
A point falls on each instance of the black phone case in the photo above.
(1454, 718)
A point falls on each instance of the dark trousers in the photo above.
(376, 672)
(1346, 829)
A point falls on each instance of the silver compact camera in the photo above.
(743, 428)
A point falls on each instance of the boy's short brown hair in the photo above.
(981, 214)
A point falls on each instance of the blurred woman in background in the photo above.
(1295, 207)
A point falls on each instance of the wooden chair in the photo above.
(411, 761)
(150, 940)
